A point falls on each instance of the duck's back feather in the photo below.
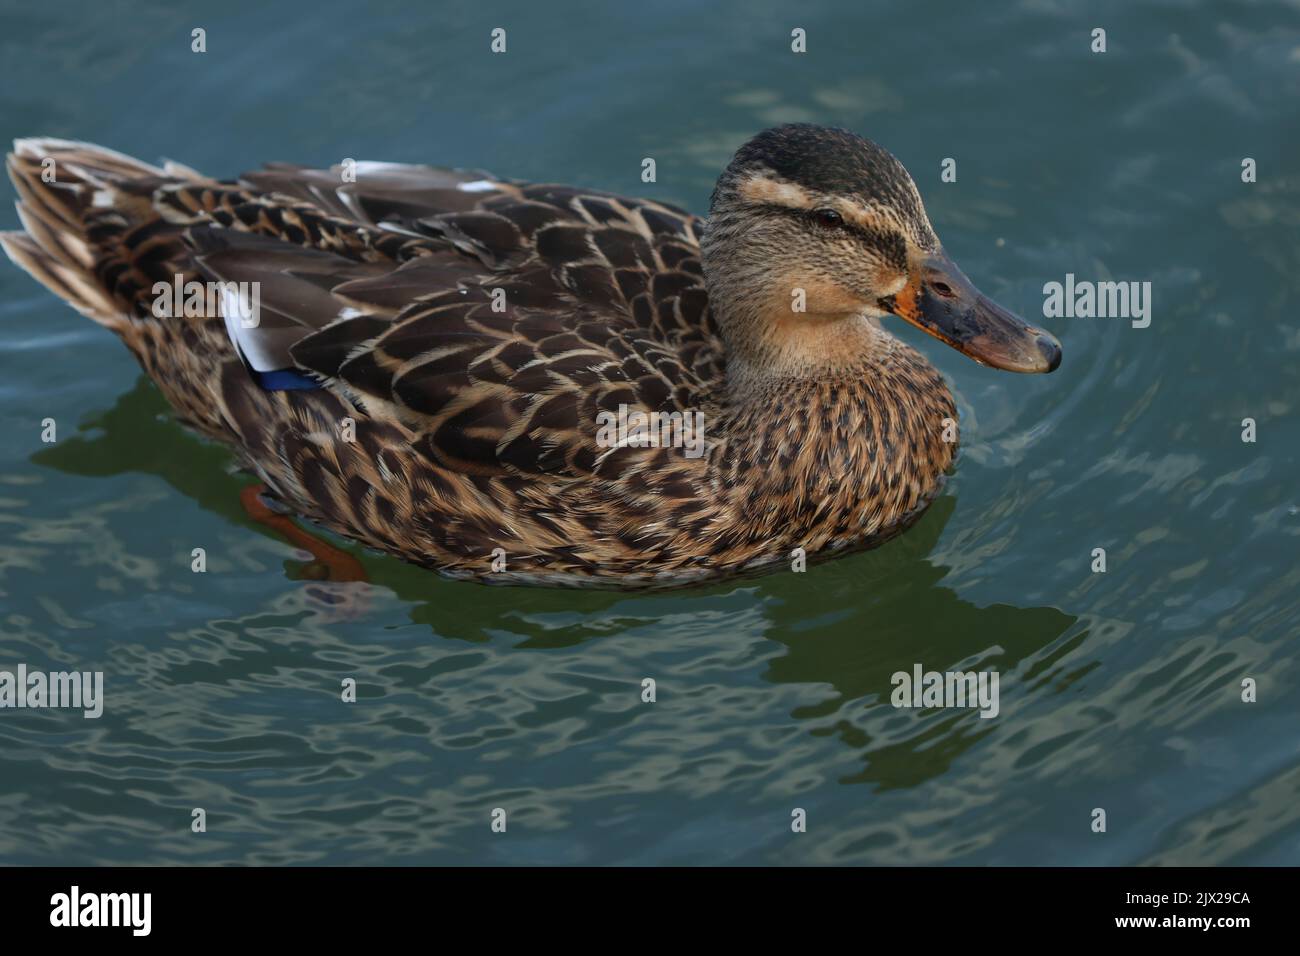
(495, 320)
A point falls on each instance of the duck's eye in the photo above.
(827, 218)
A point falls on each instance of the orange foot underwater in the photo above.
(329, 564)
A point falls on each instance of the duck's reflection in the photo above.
(890, 613)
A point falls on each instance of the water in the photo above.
(1119, 690)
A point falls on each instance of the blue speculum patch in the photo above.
(284, 380)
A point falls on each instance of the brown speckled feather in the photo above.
(466, 332)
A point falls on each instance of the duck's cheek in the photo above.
(887, 283)
(810, 293)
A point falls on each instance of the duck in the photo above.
(539, 384)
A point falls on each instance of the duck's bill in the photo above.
(940, 300)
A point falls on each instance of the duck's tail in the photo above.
(75, 199)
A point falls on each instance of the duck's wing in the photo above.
(495, 320)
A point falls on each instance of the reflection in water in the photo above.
(891, 612)
(888, 607)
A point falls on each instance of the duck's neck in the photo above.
(840, 429)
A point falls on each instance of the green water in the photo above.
(1119, 690)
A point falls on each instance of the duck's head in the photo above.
(815, 234)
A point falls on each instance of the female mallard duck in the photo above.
(429, 361)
